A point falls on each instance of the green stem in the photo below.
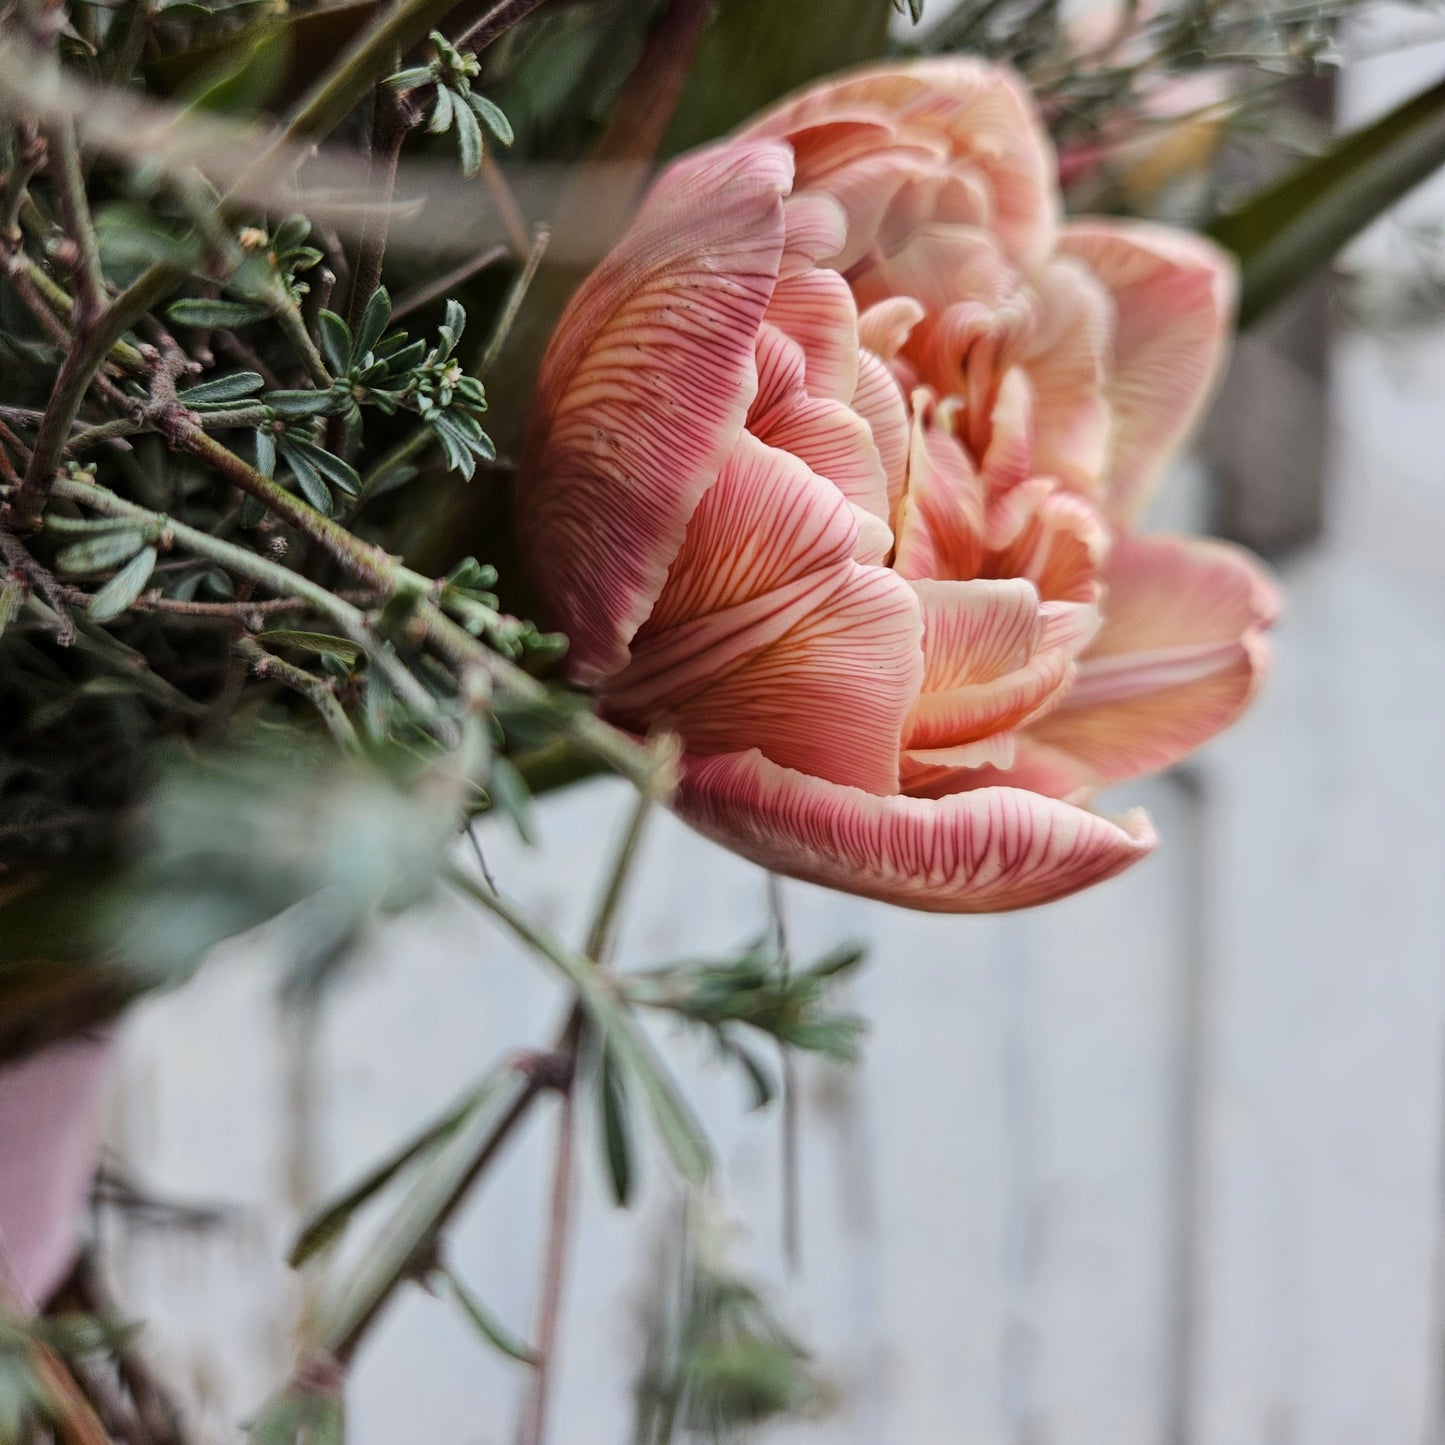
(316, 690)
(82, 362)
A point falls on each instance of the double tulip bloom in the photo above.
(832, 470)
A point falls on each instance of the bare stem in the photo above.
(549, 1315)
(316, 690)
(75, 213)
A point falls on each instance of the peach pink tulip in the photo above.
(832, 469)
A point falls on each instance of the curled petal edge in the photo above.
(988, 850)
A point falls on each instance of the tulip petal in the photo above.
(816, 309)
(643, 394)
(983, 113)
(1067, 360)
(829, 436)
(1054, 538)
(885, 327)
(941, 518)
(878, 399)
(830, 695)
(1174, 296)
(1180, 656)
(986, 850)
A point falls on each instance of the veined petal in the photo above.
(1181, 654)
(938, 268)
(941, 518)
(976, 631)
(1174, 297)
(643, 392)
(986, 850)
(829, 695)
(767, 522)
(878, 399)
(829, 436)
(816, 309)
(1055, 538)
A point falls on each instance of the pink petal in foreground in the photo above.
(983, 851)
(643, 393)
(1174, 295)
(1180, 656)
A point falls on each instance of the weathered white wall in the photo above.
(1159, 1165)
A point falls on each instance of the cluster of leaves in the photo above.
(719, 1364)
(456, 105)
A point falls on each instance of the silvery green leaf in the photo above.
(101, 550)
(417, 75)
(266, 453)
(469, 139)
(198, 311)
(124, 587)
(235, 386)
(453, 325)
(492, 117)
(442, 111)
(301, 405)
(318, 644)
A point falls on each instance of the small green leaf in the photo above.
(318, 644)
(124, 587)
(492, 117)
(266, 453)
(235, 386)
(616, 1126)
(335, 342)
(302, 405)
(339, 473)
(488, 1325)
(416, 76)
(313, 485)
(101, 550)
(443, 111)
(373, 321)
(509, 795)
(326, 1228)
(197, 311)
(469, 139)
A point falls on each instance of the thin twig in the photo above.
(415, 299)
(69, 176)
(549, 1314)
(316, 690)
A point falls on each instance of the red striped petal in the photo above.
(982, 851)
(619, 453)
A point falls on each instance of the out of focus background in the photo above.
(1158, 1165)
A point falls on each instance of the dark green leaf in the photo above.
(487, 1324)
(124, 587)
(339, 473)
(312, 483)
(235, 386)
(616, 1126)
(373, 321)
(335, 342)
(1286, 233)
(196, 311)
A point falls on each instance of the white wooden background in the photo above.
(1160, 1165)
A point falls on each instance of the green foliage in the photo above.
(456, 106)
